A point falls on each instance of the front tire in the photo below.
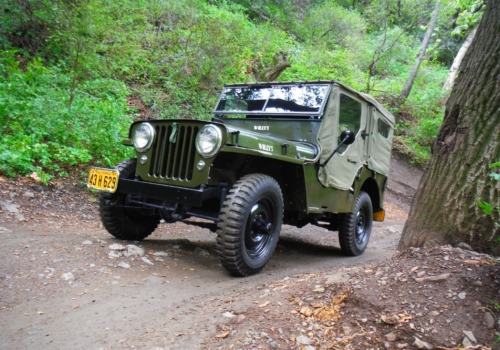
(355, 228)
(125, 223)
(250, 224)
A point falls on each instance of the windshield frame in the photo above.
(249, 114)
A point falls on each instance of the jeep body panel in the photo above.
(289, 148)
(274, 153)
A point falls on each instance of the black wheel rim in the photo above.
(260, 228)
(361, 227)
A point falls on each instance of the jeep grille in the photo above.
(173, 160)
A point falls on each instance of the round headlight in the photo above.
(143, 137)
(208, 141)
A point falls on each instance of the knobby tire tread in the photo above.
(231, 222)
(114, 219)
(348, 226)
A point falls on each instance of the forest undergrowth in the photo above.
(69, 70)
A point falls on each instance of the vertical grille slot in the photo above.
(166, 151)
(174, 160)
(191, 153)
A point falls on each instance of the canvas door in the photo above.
(344, 165)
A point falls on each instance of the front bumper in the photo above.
(176, 194)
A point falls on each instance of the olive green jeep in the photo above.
(274, 153)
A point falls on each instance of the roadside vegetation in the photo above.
(75, 74)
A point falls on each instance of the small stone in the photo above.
(133, 250)
(124, 265)
(115, 254)
(490, 321)
(309, 347)
(306, 311)
(104, 269)
(466, 342)
(391, 230)
(364, 320)
(154, 280)
(302, 339)
(401, 345)
(437, 278)
(434, 313)
(87, 242)
(147, 261)
(387, 345)
(228, 314)
(464, 245)
(29, 194)
(162, 254)
(391, 337)
(117, 246)
(347, 330)
(319, 290)
(477, 283)
(202, 252)
(240, 318)
(421, 273)
(68, 276)
(339, 277)
(420, 344)
(390, 319)
(470, 335)
(462, 295)
(11, 208)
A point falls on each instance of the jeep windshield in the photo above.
(258, 101)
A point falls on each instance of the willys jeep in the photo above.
(274, 153)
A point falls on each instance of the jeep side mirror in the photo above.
(347, 137)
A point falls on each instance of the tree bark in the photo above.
(413, 73)
(445, 209)
(271, 73)
(458, 60)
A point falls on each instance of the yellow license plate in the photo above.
(103, 179)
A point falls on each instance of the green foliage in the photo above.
(331, 24)
(470, 13)
(70, 65)
(41, 133)
(488, 208)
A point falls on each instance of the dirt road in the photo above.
(60, 289)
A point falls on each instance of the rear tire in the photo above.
(250, 224)
(126, 224)
(355, 228)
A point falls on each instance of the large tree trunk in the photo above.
(458, 60)
(413, 73)
(444, 209)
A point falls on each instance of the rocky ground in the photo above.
(439, 298)
(66, 283)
